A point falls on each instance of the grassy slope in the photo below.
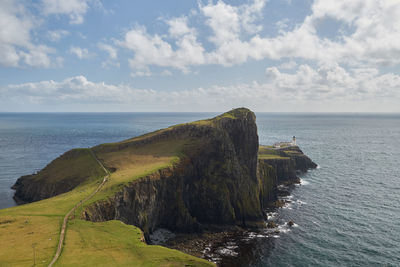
(18, 233)
(267, 152)
(134, 162)
(38, 224)
(114, 243)
(61, 170)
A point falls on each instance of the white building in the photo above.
(286, 144)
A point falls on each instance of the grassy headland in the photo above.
(30, 232)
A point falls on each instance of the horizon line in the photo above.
(271, 112)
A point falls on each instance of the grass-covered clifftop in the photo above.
(181, 178)
(161, 155)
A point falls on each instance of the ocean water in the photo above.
(346, 212)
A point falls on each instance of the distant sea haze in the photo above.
(346, 212)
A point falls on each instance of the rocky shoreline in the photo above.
(234, 246)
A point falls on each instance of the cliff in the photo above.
(286, 162)
(214, 182)
(301, 161)
(179, 178)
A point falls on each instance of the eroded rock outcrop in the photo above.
(216, 182)
(218, 179)
(287, 162)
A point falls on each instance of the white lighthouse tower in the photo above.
(294, 141)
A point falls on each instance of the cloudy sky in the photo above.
(200, 55)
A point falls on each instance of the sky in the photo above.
(199, 55)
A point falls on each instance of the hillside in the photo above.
(179, 178)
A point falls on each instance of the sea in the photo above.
(346, 212)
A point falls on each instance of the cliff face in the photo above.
(284, 168)
(267, 174)
(286, 162)
(215, 182)
(218, 178)
(301, 161)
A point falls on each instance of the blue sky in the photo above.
(184, 55)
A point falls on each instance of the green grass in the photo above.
(135, 162)
(87, 243)
(76, 166)
(271, 157)
(292, 152)
(90, 244)
(21, 233)
(39, 222)
(267, 152)
(114, 243)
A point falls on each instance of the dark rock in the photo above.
(290, 223)
(301, 161)
(271, 224)
(219, 181)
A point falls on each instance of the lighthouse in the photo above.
(294, 141)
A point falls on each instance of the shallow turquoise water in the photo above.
(347, 211)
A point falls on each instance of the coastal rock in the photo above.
(216, 183)
(285, 169)
(271, 224)
(219, 178)
(287, 162)
(301, 161)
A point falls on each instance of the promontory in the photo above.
(182, 178)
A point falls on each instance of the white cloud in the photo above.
(372, 39)
(328, 87)
(110, 64)
(288, 65)
(143, 72)
(81, 53)
(332, 82)
(153, 50)
(57, 35)
(178, 27)
(74, 9)
(282, 25)
(224, 20)
(368, 35)
(16, 46)
(73, 90)
(227, 23)
(112, 51)
(112, 56)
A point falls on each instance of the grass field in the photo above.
(66, 168)
(30, 232)
(268, 152)
(35, 227)
(114, 243)
(133, 163)
(20, 235)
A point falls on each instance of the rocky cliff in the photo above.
(219, 177)
(215, 182)
(286, 162)
(301, 161)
